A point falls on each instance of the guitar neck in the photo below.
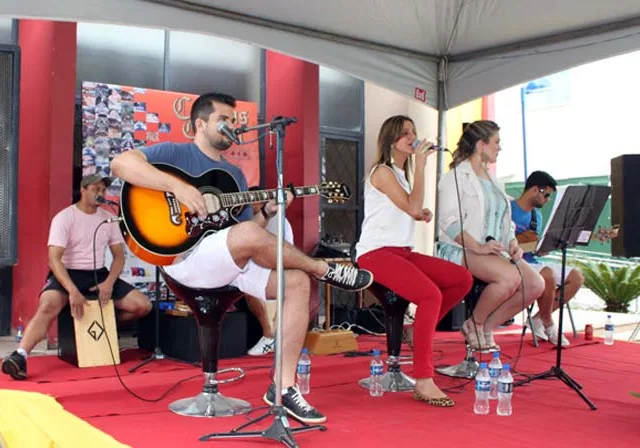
(259, 196)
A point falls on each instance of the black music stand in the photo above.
(574, 216)
(157, 351)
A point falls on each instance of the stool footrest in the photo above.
(212, 378)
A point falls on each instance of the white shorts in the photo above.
(210, 265)
(556, 268)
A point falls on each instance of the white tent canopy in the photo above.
(454, 50)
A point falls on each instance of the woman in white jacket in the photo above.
(474, 212)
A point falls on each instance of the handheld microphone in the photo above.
(227, 132)
(416, 144)
(503, 253)
(102, 200)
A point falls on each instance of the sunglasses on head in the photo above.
(546, 195)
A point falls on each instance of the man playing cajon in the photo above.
(71, 277)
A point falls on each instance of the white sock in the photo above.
(23, 352)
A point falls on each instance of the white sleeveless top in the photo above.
(384, 225)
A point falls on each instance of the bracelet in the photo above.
(263, 210)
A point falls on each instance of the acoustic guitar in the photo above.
(157, 228)
(528, 240)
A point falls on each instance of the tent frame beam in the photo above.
(558, 38)
(281, 26)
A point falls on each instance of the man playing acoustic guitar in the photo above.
(242, 255)
(526, 215)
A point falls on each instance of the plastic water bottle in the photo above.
(505, 392)
(20, 331)
(375, 380)
(608, 331)
(483, 387)
(303, 372)
(495, 368)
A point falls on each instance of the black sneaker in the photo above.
(295, 405)
(347, 277)
(15, 365)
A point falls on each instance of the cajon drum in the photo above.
(83, 342)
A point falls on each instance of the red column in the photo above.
(47, 96)
(292, 91)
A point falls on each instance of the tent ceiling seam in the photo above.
(531, 44)
(294, 29)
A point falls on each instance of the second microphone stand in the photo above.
(280, 430)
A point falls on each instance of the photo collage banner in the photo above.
(118, 118)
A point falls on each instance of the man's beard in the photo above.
(220, 143)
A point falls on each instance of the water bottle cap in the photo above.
(483, 365)
(376, 352)
(496, 355)
(506, 367)
(305, 351)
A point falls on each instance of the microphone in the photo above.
(227, 132)
(503, 253)
(102, 200)
(416, 144)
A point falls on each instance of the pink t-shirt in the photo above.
(73, 229)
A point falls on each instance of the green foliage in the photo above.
(616, 287)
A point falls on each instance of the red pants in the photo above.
(433, 284)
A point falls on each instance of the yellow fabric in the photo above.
(34, 420)
(465, 113)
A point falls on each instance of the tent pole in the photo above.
(442, 126)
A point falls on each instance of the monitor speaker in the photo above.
(625, 206)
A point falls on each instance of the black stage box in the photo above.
(179, 336)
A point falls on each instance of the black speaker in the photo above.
(9, 103)
(625, 206)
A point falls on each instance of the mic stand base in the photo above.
(157, 355)
(558, 372)
(280, 431)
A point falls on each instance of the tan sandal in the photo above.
(443, 402)
(473, 334)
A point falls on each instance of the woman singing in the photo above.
(474, 213)
(386, 243)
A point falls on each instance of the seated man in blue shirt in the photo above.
(526, 215)
(243, 255)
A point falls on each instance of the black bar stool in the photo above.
(209, 307)
(394, 306)
(469, 366)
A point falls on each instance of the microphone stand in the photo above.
(280, 430)
(157, 351)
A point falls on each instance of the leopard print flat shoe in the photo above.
(444, 402)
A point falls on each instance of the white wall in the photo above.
(595, 119)
(380, 104)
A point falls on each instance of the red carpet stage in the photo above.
(546, 413)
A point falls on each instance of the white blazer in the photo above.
(472, 204)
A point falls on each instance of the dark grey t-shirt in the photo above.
(189, 158)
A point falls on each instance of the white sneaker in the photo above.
(538, 328)
(264, 346)
(552, 333)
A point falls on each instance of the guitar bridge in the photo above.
(195, 226)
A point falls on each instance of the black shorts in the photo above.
(85, 280)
